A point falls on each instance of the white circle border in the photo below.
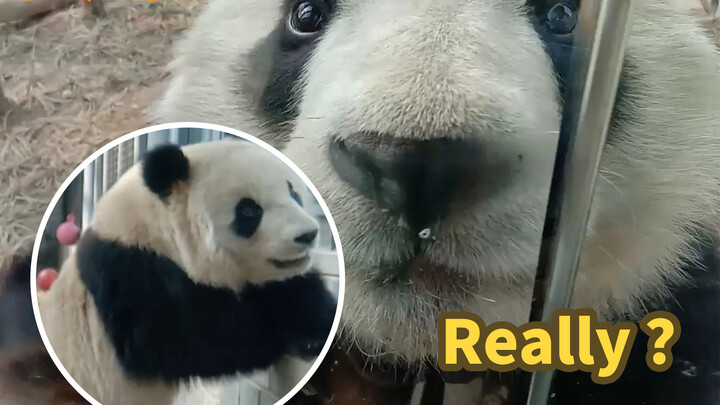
(182, 125)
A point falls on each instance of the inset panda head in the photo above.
(227, 212)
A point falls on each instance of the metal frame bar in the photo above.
(87, 195)
(140, 146)
(98, 178)
(601, 38)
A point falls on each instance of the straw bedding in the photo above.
(76, 83)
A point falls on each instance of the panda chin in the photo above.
(425, 275)
(299, 262)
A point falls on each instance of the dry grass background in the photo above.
(77, 83)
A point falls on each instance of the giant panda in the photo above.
(444, 115)
(196, 264)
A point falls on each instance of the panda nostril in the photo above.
(306, 238)
(415, 179)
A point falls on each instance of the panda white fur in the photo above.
(196, 264)
(444, 114)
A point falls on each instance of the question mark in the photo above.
(663, 328)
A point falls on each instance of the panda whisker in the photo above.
(628, 202)
(620, 264)
(606, 171)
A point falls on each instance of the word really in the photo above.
(575, 341)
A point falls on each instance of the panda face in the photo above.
(258, 219)
(278, 228)
(241, 205)
(440, 118)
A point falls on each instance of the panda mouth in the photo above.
(288, 264)
(428, 275)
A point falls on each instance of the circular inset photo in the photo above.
(187, 264)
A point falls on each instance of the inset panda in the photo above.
(197, 263)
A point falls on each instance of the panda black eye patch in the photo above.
(248, 215)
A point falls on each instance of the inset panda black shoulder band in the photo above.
(163, 325)
(163, 167)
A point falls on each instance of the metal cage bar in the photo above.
(88, 193)
(597, 62)
(126, 156)
(110, 172)
(139, 146)
(98, 179)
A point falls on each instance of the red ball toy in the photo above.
(68, 233)
(46, 278)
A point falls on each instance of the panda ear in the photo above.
(163, 167)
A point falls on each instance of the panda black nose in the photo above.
(306, 238)
(416, 180)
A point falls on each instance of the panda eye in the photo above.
(247, 217)
(561, 18)
(307, 17)
(295, 196)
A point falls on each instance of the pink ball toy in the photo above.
(46, 278)
(68, 233)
